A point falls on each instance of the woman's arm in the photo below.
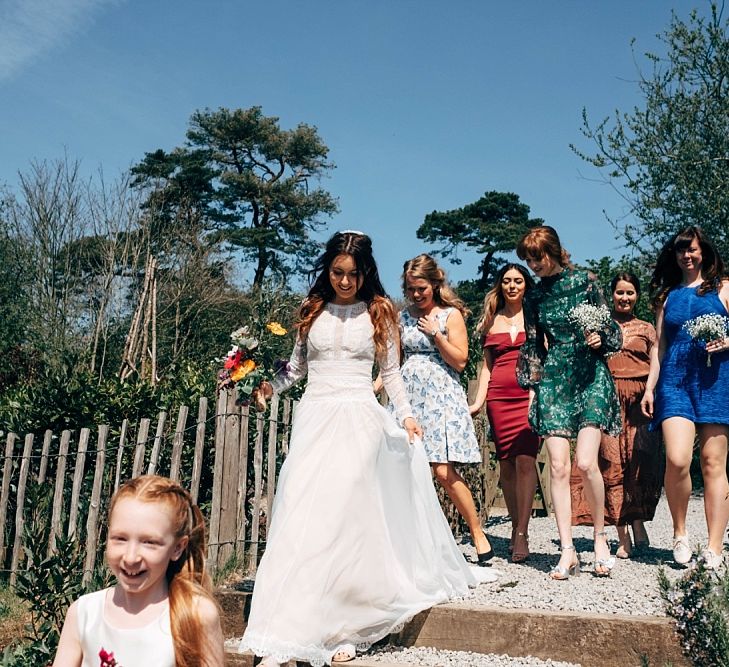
(721, 344)
(483, 383)
(656, 356)
(453, 347)
(69, 653)
(285, 378)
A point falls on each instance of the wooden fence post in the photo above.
(92, 521)
(257, 484)
(202, 414)
(242, 521)
(218, 472)
(154, 456)
(120, 454)
(19, 518)
(286, 426)
(57, 513)
(177, 443)
(44, 456)
(78, 478)
(139, 449)
(228, 530)
(271, 458)
(5, 494)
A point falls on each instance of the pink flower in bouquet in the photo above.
(107, 659)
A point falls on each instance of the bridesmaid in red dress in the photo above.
(507, 404)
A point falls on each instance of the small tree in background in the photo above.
(669, 157)
(248, 183)
(491, 226)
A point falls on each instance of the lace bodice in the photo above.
(340, 343)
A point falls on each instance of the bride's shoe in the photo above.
(560, 573)
(603, 566)
(344, 653)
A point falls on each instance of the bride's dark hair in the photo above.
(359, 247)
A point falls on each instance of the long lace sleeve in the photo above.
(391, 378)
(532, 352)
(293, 371)
(611, 335)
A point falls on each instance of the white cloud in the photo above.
(32, 28)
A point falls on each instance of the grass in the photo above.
(14, 616)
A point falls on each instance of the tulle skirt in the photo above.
(358, 542)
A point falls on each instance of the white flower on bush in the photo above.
(590, 318)
(242, 338)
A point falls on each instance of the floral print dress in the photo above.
(436, 396)
(572, 382)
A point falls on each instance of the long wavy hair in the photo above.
(541, 241)
(494, 300)
(186, 576)
(371, 291)
(424, 267)
(667, 273)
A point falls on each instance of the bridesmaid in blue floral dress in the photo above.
(685, 396)
(435, 350)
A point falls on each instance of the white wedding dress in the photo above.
(358, 542)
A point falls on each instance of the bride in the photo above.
(358, 543)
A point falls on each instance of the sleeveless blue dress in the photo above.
(686, 386)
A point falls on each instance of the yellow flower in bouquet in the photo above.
(276, 329)
(246, 367)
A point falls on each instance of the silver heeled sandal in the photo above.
(606, 565)
(560, 573)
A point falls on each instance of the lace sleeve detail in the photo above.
(611, 335)
(392, 380)
(531, 355)
(293, 371)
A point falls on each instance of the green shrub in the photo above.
(699, 603)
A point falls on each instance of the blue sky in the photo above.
(425, 105)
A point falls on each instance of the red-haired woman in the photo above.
(575, 394)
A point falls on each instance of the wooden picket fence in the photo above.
(230, 470)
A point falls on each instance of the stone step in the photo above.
(592, 640)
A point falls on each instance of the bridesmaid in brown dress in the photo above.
(631, 464)
(507, 404)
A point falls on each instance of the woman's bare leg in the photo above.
(458, 491)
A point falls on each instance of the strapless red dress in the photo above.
(507, 404)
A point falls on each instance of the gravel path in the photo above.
(433, 658)
(632, 588)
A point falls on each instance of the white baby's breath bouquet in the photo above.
(706, 328)
(590, 318)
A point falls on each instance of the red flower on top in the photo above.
(107, 659)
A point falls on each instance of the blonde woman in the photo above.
(435, 350)
(507, 404)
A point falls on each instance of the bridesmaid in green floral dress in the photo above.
(574, 394)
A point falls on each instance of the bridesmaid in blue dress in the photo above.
(684, 396)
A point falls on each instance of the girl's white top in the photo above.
(135, 647)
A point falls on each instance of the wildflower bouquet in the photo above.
(590, 318)
(249, 362)
(707, 328)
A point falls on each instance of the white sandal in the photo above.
(347, 651)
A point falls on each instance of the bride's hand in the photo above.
(413, 429)
(261, 394)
